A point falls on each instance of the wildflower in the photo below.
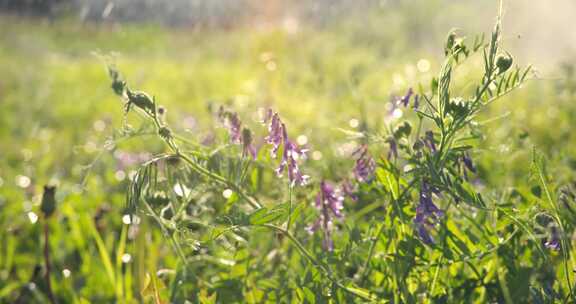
(278, 136)
(416, 102)
(290, 159)
(329, 202)
(348, 190)
(231, 121)
(365, 165)
(405, 100)
(429, 141)
(465, 162)
(427, 214)
(247, 146)
(553, 242)
(468, 162)
(276, 129)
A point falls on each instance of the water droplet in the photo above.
(127, 219)
(302, 140)
(398, 80)
(423, 65)
(354, 123)
(99, 126)
(126, 258)
(32, 217)
(181, 190)
(397, 113)
(227, 193)
(120, 175)
(271, 66)
(316, 155)
(23, 181)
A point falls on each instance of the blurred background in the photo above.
(324, 65)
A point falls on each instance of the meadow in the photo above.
(295, 163)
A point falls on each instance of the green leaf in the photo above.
(388, 180)
(265, 215)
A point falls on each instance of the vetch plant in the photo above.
(415, 227)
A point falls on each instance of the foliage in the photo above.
(417, 209)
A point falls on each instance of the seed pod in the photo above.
(450, 40)
(165, 133)
(503, 62)
(118, 85)
(141, 100)
(48, 205)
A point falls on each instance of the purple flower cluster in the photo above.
(277, 137)
(427, 214)
(365, 164)
(405, 100)
(238, 135)
(553, 241)
(127, 159)
(231, 122)
(349, 190)
(466, 164)
(429, 141)
(329, 202)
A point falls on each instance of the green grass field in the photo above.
(61, 124)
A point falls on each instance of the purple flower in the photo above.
(468, 162)
(276, 131)
(278, 136)
(349, 190)
(231, 122)
(429, 141)
(128, 159)
(405, 100)
(416, 102)
(427, 214)
(553, 242)
(329, 202)
(365, 164)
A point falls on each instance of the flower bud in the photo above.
(141, 100)
(48, 205)
(118, 86)
(450, 40)
(503, 62)
(165, 133)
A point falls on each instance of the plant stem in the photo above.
(195, 166)
(320, 265)
(371, 252)
(381, 229)
(289, 205)
(47, 261)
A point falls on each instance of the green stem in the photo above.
(368, 297)
(199, 169)
(371, 252)
(289, 205)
